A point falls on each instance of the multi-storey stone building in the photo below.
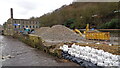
(15, 25)
(1, 29)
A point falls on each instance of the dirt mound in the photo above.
(59, 33)
(41, 30)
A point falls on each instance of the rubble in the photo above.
(58, 33)
(41, 30)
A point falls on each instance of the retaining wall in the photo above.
(37, 42)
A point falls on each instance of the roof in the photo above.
(25, 19)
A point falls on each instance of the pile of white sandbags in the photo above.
(95, 56)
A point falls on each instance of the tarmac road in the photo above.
(16, 53)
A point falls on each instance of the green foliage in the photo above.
(70, 23)
(113, 24)
(77, 14)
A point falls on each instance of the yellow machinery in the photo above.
(94, 34)
(87, 29)
(98, 35)
(77, 31)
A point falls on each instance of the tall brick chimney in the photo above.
(11, 12)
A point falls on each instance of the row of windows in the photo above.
(27, 26)
(26, 22)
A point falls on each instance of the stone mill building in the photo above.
(15, 25)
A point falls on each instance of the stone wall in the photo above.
(37, 42)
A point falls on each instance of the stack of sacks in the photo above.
(95, 56)
(64, 48)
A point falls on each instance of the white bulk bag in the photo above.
(65, 46)
(106, 63)
(77, 55)
(81, 48)
(69, 51)
(61, 47)
(65, 49)
(93, 60)
(88, 48)
(86, 58)
(89, 55)
(81, 56)
(84, 53)
(116, 64)
(100, 59)
(73, 45)
(100, 64)
(93, 51)
(94, 56)
(114, 58)
(72, 54)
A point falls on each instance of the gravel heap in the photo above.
(41, 31)
(58, 33)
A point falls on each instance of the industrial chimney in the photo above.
(11, 12)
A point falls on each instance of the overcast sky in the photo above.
(24, 9)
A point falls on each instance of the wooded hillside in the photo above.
(78, 14)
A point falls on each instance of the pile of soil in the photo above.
(41, 31)
(58, 33)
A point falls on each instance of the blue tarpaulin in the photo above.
(16, 24)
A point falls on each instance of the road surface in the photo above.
(16, 53)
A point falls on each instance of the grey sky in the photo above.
(96, 0)
(24, 9)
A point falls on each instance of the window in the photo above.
(30, 26)
(15, 26)
(26, 26)
(15, 21)
(19, 26)
(30, 22)
(33, 26)
(23, 22)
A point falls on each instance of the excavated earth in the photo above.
(59, 34)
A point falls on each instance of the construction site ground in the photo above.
(59, 35)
